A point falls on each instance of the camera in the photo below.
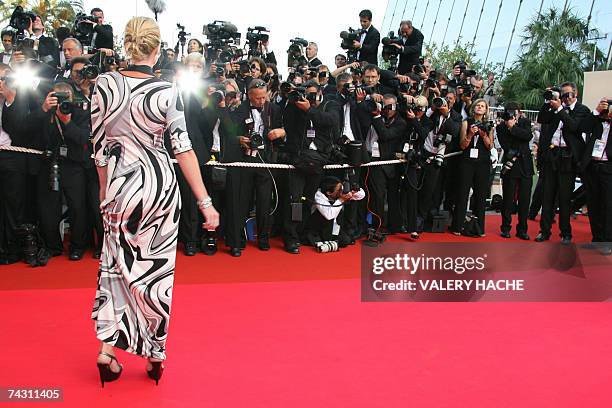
(257, 34)
(440, 142)
(296, 53)
(21, 20)
(350, 182)
(54, 174)
(90, 72)
(509, 162)
(509, 114)
(327, 246)
(485, 126)
(221, 32)
(217, 96)
(83, 28)
(552, 94)
(438, 103)
(256, 141)
(389, 52)
(348, 39)
(296, 94)
(63, 103)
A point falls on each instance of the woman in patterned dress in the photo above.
(140, 202)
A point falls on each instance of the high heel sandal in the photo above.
(106, 374)
(156, 371)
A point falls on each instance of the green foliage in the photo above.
(553, 50)
(443, 58)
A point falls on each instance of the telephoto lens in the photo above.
(209, 243)
(327, 246)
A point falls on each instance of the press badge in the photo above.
(63, 151)
(336, 228)
(406, 148)
(375, 150)
(473, 153)
(599, 149)
(311, 134)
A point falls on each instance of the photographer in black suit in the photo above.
(48, 48)
(410, 48)
(254, 137)
(514, 135)
(308, 145)
(561, 146)
(369, 40)
(596, 170)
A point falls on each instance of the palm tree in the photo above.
(55, 13)
(554, 50)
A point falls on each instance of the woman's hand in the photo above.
(211, 218)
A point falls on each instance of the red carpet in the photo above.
(276, 330)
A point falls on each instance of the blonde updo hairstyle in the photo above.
(142, 38)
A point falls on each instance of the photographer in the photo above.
(340, 61)
(346, 104)
(102, 39)
(383, 139)
(596, 171)
(410, 50)
(193, 91)
(474, 170)
(8, 38)
(254, 137)
(514, 135)
(369, 41)
(418, 127)
(65, 136)
(48, 48)
(325, 222)
(308, 144)
(561, 146)
(491, 92)
(443, 135)
(311, 55)
(71, 48)
(12, 169)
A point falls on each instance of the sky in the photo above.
(284, 19)
(423, 14)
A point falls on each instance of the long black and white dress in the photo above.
(141, 209)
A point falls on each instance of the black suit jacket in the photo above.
(369, 49)
(297, 123)
(235, 125)
(315, 62)
(48, 51)
(571, 126)
(593, 127)
(195, 121)
(411, 52)
(517, 139)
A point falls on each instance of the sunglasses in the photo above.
(254, 67)
(260, 85)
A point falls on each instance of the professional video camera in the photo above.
(296, 53)
(254, 37)
(348, 39)
(389, 52)
(83, 28)
(21, 20)
(221, 33)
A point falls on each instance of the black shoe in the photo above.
(523, 236)
(97, 253)
(292, 249)
(566, 240)
(106, 374)
(263, 244)
(541, 237)
(190, 249)
(505, 235)
(75, 255)
(235, 252)
(156, 371)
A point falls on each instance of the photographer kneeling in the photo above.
(514, 135)
(323, 230)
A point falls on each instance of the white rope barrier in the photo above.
(20, 150)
